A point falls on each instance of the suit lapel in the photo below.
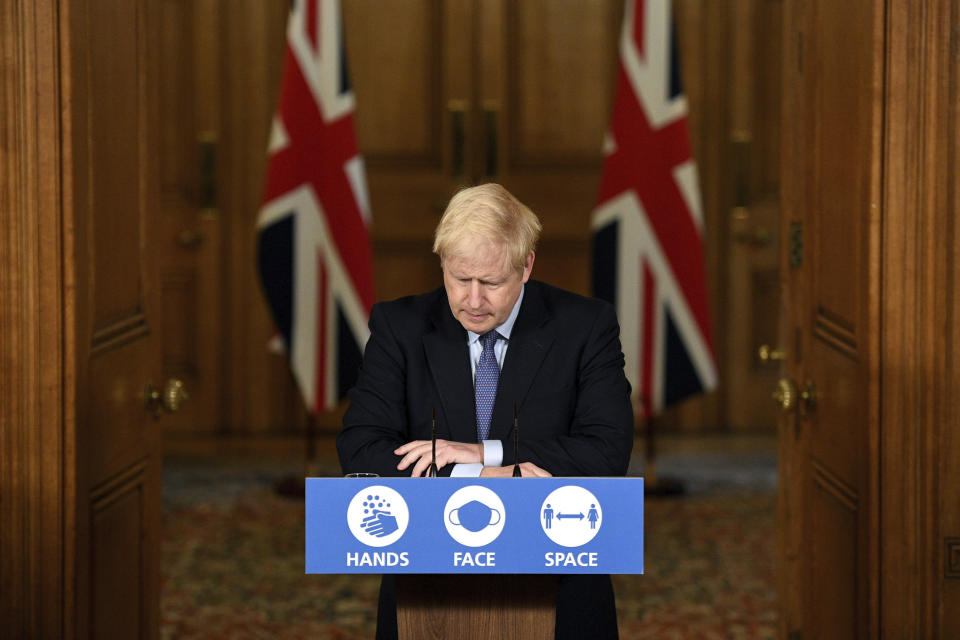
(449, 360)
(530, 341)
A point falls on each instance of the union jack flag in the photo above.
(314, 245)
(648, 223)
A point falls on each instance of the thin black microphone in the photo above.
(432, 471)
(516, 444)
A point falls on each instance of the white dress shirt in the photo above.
(492, 449)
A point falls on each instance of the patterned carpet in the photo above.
(233, 559)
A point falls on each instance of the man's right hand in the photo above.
(418, 453)
(527, 470)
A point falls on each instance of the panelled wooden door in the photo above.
(458, 92)
(110, 186)
(833, 108)
(411, 71)
(545, 82)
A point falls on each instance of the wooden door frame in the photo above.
(36, 348)
(920, 323)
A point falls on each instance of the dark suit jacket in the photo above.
(563, 368)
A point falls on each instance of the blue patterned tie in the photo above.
(488, 374)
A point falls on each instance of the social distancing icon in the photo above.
(571, 516)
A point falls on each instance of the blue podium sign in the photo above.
(474, 525)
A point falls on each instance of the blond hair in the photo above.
(491, 212)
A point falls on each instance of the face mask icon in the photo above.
(474, 516)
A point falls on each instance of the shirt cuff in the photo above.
(466, 470)
(493, 453)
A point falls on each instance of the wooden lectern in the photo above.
(476, 607)
(403, 529)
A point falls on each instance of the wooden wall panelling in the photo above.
(752, 251)
(488, 69)
(739, 220)
(261, 394)
(36, 415)
(767, 102)
(190, 236)
(704, 31)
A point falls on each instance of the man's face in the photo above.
(481, 285)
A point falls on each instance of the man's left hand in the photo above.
(419, 451)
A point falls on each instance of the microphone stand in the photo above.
(516, 444)
(432, 470)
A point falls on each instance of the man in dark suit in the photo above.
(490, 339)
